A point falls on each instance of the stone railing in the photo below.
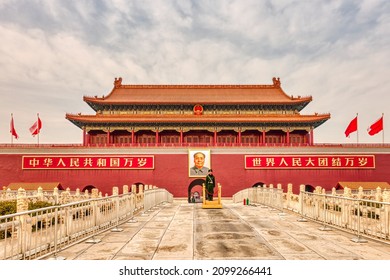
(269, 196)
(57, 196)
(41, 232)
(359, 213)
(54, 197)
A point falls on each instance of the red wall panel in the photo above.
(171, 172)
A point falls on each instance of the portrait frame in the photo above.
(195, 172)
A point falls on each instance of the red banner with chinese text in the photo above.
(309, 162)
(88, 162)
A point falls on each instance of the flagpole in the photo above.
(12, 137)
(383, 130)
(38, 128)
(357, 130)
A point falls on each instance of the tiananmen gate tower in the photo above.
(249, 135)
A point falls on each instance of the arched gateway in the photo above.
(195, 186)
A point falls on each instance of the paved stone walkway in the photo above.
(185, 231)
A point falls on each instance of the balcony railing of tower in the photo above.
(38, 233)
(216, 145)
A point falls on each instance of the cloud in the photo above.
(54, 52)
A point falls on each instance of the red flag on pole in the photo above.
(12, 128)
(376, 127)
(352, 127)
(36, 127)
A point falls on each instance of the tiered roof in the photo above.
(197, 94)
(130, 95)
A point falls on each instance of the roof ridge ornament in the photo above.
(276, 82)
(118, 82)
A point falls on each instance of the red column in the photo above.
(132, 137)
(88, 139)
(84, 137)
(263, 137)
(215, 137)
(239, 136)
(108, 137)
(157, 137)
(181, 136)
(311, 136)
(288, 137)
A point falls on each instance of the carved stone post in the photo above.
(279, 196)
(219, 193)
(360, 192)
(301, 210)
(386, 196)
(21, 201)
(65, 196)
(301, 193)
(134, 198)
(95, 209)
(386, 216)
(127, 197)
(56, 195)
(8, 193)
(24, 230)
(318, 202)
(94, 193)
(140, 196)
(115, 191)
(346, 208)
(125, 189)
(40, 194)
(269, 194)
(289, 194)
(378, 194)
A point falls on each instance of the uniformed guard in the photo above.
(210, 184)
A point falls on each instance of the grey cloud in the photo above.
(54, 52)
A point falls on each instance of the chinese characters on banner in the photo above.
(309, 161)
(88, 162)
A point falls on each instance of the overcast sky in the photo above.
(52, 53)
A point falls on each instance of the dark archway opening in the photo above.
(195, 190)
(309, 188)
(258, 184)
(88, 188)
(137, 186)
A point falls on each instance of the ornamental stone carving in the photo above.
(118, 82)
(276, 82)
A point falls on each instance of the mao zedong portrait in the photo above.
(199, 169)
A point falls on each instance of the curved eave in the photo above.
(83, 120)
(99, 103)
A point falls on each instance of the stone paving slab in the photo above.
(182, 231)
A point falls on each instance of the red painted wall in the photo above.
(171, 172)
